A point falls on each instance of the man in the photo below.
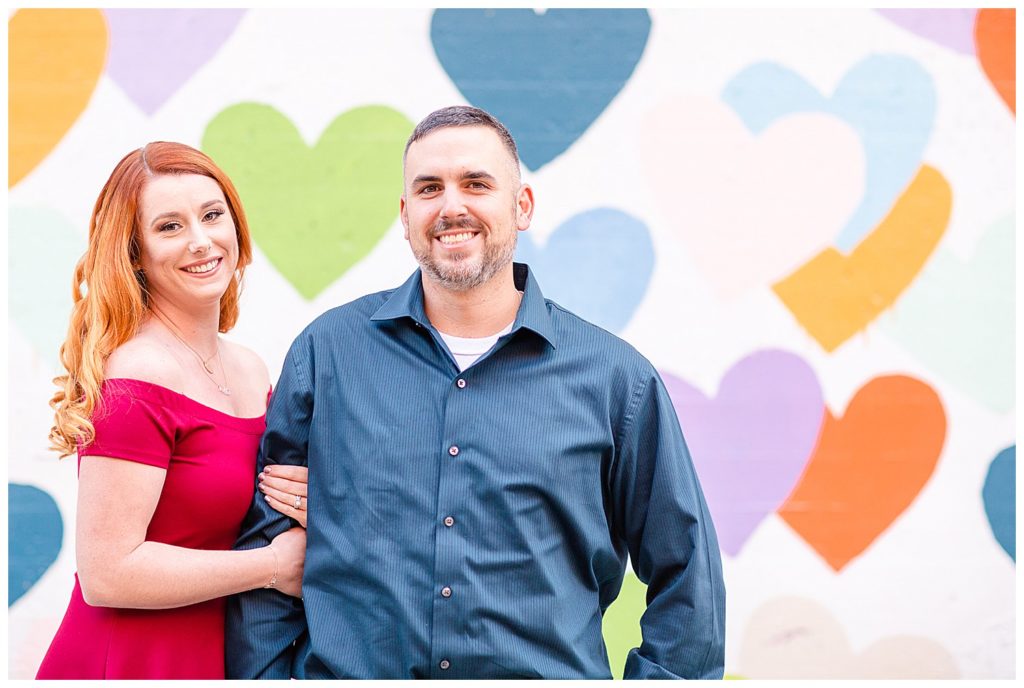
(481, 462)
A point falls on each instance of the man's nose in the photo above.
(454, 205)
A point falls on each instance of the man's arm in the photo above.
(265, 627)
(661, 513)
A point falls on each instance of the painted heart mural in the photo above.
(795, 638)
(958, 317)
(952, 27)
(996, 36)
(999, 495)
(889, 100)
(43, 249)
(751, 441)
(55, 58)
(547, 76)
(35, 531)
(314, 211)
(153, 52)
(834, 296)
(597, 264)
(868, 466)
(750, 208)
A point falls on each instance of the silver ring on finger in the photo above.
(298, 502)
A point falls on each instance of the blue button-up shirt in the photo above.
(477, 523)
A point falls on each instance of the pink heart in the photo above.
(750, 443)
(953, 28)
(154, 52)
(751, 209)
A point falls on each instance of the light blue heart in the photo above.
(1000, 497)
(546, 76)
(43, 249)
(596, 264)
(889, 100)
(34, 531)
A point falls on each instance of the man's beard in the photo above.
(461, 273)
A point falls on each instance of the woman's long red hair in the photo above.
(110, 297)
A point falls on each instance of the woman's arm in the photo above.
(118, 567)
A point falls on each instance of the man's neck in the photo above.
(478, 312)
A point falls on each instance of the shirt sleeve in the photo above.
(662, 515)
(265, 630)
(130, 428)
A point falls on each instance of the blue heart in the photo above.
(34, 531)
(889, 100)
(1000, 497)
(547, 76)
(597, 264)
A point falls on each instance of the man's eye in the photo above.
(429, 189)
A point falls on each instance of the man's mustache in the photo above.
(443, 225)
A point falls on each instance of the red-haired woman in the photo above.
(166, 419)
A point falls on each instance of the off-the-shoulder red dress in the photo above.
(210, 459)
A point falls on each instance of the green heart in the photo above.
(314, 212)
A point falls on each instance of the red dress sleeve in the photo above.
(131, 427)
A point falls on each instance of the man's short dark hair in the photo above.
(462, 116)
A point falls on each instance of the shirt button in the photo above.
(446, 591)
(449, 521)
(461, 383)
(453, 450)
(444, 664)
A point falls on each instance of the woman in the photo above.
(166, 418)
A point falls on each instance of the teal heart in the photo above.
(43, 249)
(958, 318)
(35, 531)
(313, 211)
(1000, 498)
(546, 76)
(889, 100)
(597, 264)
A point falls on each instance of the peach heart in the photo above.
(796, 638)
(750, 208)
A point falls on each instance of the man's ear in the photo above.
(404, 213)
(524, 207)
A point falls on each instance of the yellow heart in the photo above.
(55, 59)
(834, 295)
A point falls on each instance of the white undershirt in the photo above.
(467, 350)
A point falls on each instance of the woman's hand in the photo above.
(290, 552)
(284, 488)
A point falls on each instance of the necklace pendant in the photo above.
(224, 390)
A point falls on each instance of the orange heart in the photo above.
(55, 60)
(868, 467)
(995, 35)
(834, 295)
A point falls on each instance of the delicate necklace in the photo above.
(206, 366)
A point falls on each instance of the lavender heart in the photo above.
(751, 442)
(154, 52)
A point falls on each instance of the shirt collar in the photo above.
(407, 302)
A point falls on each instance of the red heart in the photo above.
(867, 468)
(995, 35)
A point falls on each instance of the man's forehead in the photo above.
(468, 145)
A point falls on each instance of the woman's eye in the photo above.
(212, 215)
(169, 227)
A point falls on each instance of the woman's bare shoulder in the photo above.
(146, 359)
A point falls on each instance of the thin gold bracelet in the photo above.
(273, 580)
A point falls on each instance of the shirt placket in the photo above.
(449, 607)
